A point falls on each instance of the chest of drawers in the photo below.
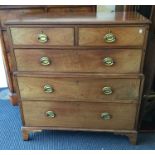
(79, 73)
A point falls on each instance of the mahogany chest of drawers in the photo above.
(79, 73)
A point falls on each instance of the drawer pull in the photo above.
(109, 38)
(42, 38)
(50, 114)
(48, 88)
(107, 90)
(45, 61)
(108, 61)
(106, 116)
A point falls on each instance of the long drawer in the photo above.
(105, 61)
(112, 36)
(79, 115)
(79, 88)
(43, 36)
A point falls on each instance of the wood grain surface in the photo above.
(125, 60)
(79, 114)
(56, 36)
(79, 89)
(125, 36)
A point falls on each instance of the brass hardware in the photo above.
(48, 88)
(106, 116)
(110, 38)
(42, 38)
(108, 61)
(45, 61)
(50, 114)
(107, 90)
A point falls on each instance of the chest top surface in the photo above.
(97, 17)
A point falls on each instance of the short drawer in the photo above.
(105, 61)
(78, 88)
(112, 36)
(43, 36)
(79, 115)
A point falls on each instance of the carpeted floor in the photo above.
(10, 135)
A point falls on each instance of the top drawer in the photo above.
(111, 36)
(43, 36)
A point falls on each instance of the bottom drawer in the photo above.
(79, 114)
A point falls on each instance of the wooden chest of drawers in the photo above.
(79, 73)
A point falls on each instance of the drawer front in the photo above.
(78, 89)
(43, 36)
(106, 61)
(80, 115)
(112, 36)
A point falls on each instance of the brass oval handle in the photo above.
(48, 88)
(50, 114)
(109, 38)
(45, 61)
(106, 116)
(107, 90)
(108, 61)
(42, 38)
